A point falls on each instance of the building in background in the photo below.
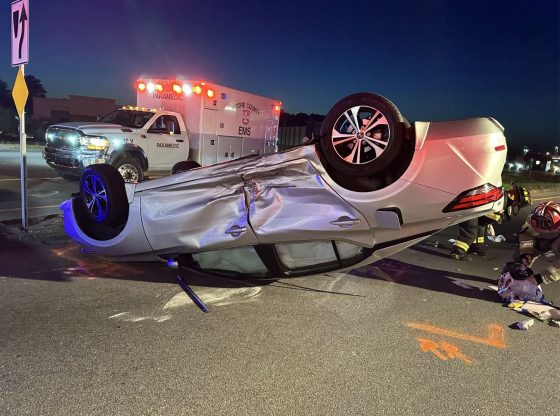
(73, 108)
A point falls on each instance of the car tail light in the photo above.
(197, 89)
(177, 89)
(159, 87)
(210, 93)
(141, 86)
(475, 197)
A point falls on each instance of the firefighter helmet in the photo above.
(545, 218)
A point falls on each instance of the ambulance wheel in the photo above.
(103, 195)
(130, 169)
(184, 166)
(361, 135)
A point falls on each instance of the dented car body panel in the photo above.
(287, 204)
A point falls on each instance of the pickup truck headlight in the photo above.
(94, 143)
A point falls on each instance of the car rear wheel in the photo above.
(103, 195)
(361, 135)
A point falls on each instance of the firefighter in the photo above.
(538, 235)
(474, 235)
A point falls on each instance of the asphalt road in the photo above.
(45, 189)
(415, 334)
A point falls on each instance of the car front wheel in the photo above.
(103, 195)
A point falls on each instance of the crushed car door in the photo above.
(204, 214)
(291, 202)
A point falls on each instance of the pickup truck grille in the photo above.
(60, 139)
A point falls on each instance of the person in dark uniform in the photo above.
(474, 235)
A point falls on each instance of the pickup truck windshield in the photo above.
(128, 118)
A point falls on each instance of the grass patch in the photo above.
(532, 180)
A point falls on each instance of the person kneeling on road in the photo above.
(539, 234)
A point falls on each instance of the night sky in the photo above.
(435, 59)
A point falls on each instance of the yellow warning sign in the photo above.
(20, 92)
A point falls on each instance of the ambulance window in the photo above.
(165, 124)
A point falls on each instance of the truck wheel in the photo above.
(103, 195)
(361, 135)
(130, 169)
(184, 166)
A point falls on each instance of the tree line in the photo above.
(9, 123)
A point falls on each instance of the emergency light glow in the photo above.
(151, 87)
(187, 89)
(159, 87)
(197, 89)
(141, 86)
(177, 89)
(276, 108)
(210, 93)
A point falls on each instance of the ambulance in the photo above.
(175, 126)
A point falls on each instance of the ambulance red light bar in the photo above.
(277, 107)
(159, 87)
(141, 86)
(177, 89)
(197, 89)
(210, 93)
(475, 197)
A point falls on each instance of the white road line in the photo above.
(19, 209)
(29, 179)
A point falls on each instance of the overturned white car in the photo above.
(372, 184)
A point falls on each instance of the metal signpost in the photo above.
(20, 56)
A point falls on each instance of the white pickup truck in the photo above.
(176, 125)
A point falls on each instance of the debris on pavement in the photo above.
(497, 238)
(524, 325)
(516, 304)
(549, 254)
(555, 323)
(431, 243)
(47, 230)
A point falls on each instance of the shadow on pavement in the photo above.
(430, 279)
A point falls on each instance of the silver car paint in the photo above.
(289, 197)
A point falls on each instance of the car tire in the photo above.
(346, 126)
(184, 166)
(130, 169)
(103, 195)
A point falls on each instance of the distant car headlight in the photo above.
(94, 143)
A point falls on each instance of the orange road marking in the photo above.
(495, 336)
(449, 350)
(427, 345)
